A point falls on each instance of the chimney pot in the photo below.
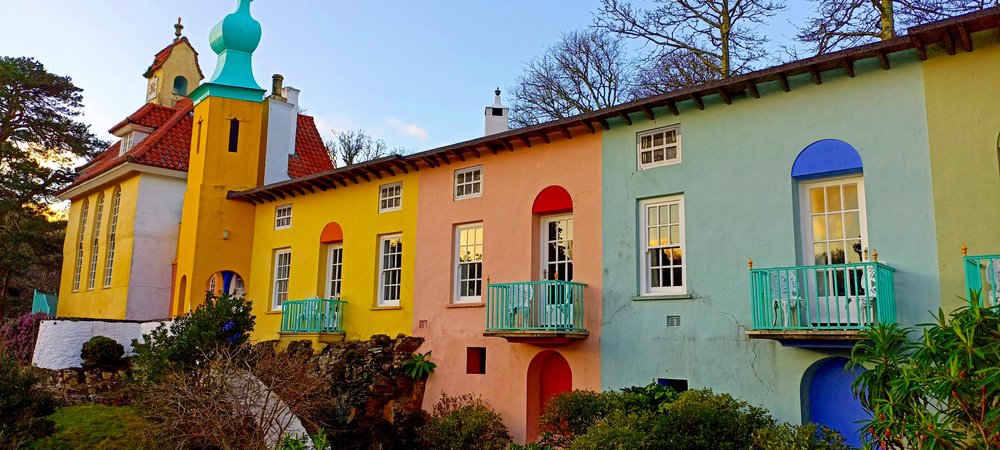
(276, 90)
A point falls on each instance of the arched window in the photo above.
(554, 206)
(96, 246)
(116, 202)
(78, 267)
(180, 86)
(333, 239)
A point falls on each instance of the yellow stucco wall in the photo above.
(100, 302)
(182, 62)
(216, 234)
(963, 114)
(355, 208)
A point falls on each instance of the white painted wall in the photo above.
(157, 216)
(282, 124)
(60, 341)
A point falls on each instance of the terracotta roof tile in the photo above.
(169, 145)
(310, 154)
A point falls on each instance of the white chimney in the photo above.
(496, 116)
(282, 122)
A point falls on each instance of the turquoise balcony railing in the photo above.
(552, 305)
(982, 275)
(315, 315)
(833, 297)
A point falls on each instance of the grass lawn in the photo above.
(94, 427)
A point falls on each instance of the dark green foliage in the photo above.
(24, 406)
(798, 437)
(102, 352)
(619, 431)
(702, 419)
(419, 366)
(940, 391)
(651, 397)
(221, 323)
(571, 414)
(465, 422)
(41, 139)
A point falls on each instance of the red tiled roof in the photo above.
(310, 154)
(162, 56)
(169, 145)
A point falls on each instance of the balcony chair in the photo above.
(519, 302)
(559, 312)
(993, 277)
(786, 298)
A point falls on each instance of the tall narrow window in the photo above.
(96, 245)
(116, 202)
(469, 182)
(663, 246)
(78, 267)
(334, 269)
(282, 272)
(234, 135)
(282, 217)
(390, 269)
(469, 263)
(390, 197)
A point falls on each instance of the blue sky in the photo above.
(414, 73)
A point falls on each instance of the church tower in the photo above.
(216, 234)
(174, 72)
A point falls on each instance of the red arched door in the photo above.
(548, 375)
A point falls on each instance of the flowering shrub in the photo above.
(18, 335)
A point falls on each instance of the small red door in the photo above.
(556, 379)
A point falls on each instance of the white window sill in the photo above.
(656, 297)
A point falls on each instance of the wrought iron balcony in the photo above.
(536, 311)
(982, 275)
(315, 315)
(813, 303)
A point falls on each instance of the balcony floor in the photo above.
(539, 337)
(318, 339)
(809, 338)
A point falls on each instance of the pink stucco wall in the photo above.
(511, 180)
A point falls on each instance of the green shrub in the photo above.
(798, 437)
(940, 391)
(419, 366)
(102, 352)
(618, 431)
(24, 406)
(465, 422)
(651, 397)
(701, 419)
(571, 414)
(221, 323)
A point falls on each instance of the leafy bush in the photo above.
(419, 366)
(102, 352)
(798, 437)
(619, 431)
(651, 397)
(223, 322)
(319, 442)
(571, 414)
(942, 391)
(19, 334)
(24, 406)
(465, 422)
(701, 419)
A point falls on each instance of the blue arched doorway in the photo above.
(830, 400)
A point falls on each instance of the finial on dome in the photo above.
(497, 92)
(177, 29)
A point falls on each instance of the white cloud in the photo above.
(411, 129)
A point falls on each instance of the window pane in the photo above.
(651, 216)
(837, 255)
(852, 225)
(819, 251)
(658, 154)
(833, 198)
(817, 200)
(665, 214)
(851, 196)
(646, 141)
(658, 139)
(671, 152)
(819, 228)
(854, 255)
(836, 226)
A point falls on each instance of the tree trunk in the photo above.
(888, 29)
(3, 293)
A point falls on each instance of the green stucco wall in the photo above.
(739, 203)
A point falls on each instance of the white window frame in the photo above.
(385, 194)
(805, 212)
(334, 268)
(283, 216)
(385, 272)
(78, 268)
(280, 279)
(457, 288)
(95, 248)
(467, 183)
(109, 263)
(544, 248)
(128, 142)
(676, 128)
(644, 275)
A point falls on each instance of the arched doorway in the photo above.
(829, 399)
(549, 374)
(225, 282)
